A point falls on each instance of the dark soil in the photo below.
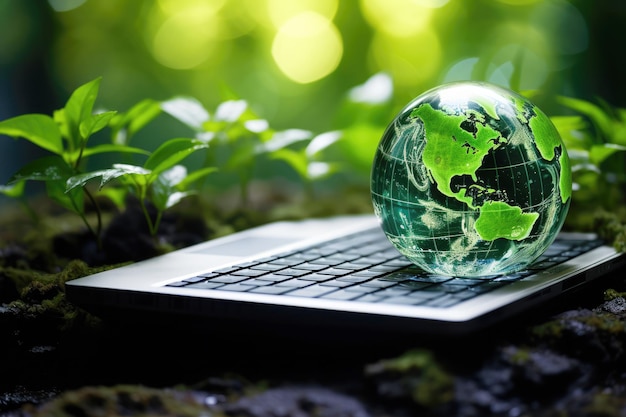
(565, 359)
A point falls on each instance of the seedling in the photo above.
(160, 181)
(65, 135)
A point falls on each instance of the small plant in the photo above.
(160, 181)
(238, 137)
(66, 136)
(233, 131)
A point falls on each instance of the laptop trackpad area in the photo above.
(245, 246)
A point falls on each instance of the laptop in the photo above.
(339, 271)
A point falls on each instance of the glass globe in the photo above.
(471, 180)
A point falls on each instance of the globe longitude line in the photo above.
(530, 194)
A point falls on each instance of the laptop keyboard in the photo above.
(365, 267)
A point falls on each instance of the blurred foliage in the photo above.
(293, 58)
(595, 138)
(308, 68)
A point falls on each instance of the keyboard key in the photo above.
(414, 285)
(354, 278)
(274, 277)
(349, 266)
(285, 262)
(444, 301)
(267, 267)
(177, 284)
(191, 280)
(270, 289)
(393, 292)
(378, 283)
(366, 274)
(228, 279)
(237, 287)
(317, 277)
(206, 285)
(336, 283)
(361, 289)
(369, 298)
(292, 272)
(314, 290)
(340, 295)
(248, 272)
(310, 267)
(258, 282)
(334, 272)
(294, 283)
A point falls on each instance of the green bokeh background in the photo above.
(295, 60)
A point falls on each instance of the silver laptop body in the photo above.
(152, 285)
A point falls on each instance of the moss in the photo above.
(611, 226)
(605, 322)
(125, 400)
(520, 356)
(419, 375)
(550, 330)
(606, 404)
(612, 294)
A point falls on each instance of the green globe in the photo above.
(471, 180)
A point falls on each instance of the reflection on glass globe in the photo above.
(471, 180)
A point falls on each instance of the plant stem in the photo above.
(81, 213)
(146, 214)
(96, 206)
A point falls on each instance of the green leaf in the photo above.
(165, 196)
(318, 170)
(296, 160)
(176, 198)
(134, 175)
(60, 117)
(283, 139)
(107, 147)
(574, 131)
(172, 152)
(95, 123)
(195, 176)
(321, 142)
(79, 108)
(132, 169)
(164, 187)
(595, 113)
(39, 129)
(187, 110)
(599, 153)
(125, 125)
(230, 111)
(14, 190)
(48, 168)
(81, 180)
